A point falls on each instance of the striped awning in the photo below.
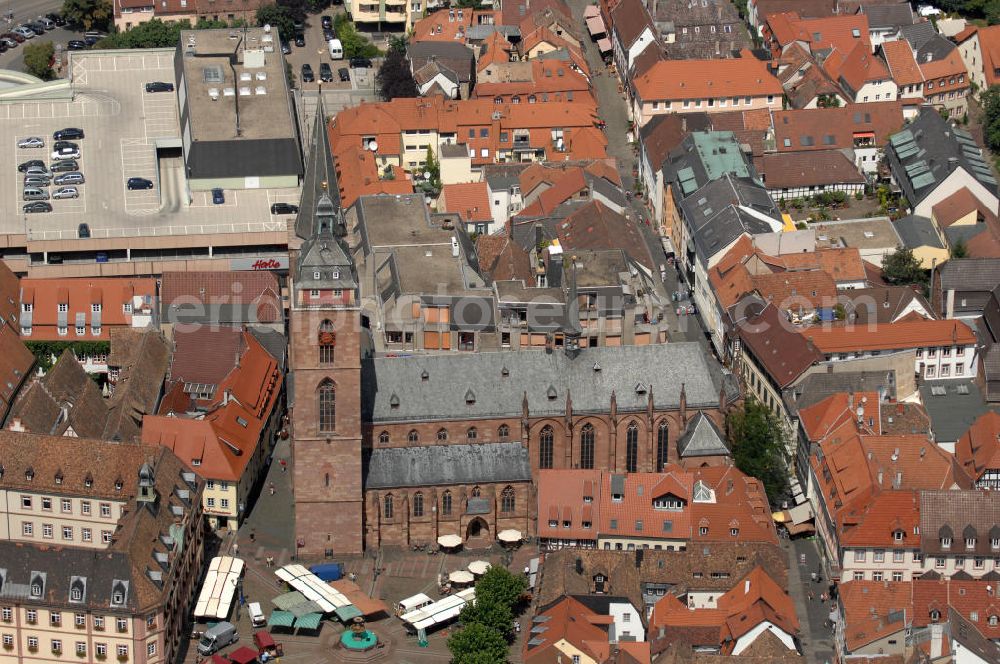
(308, 621)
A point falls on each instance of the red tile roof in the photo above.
(78, 295)
(978, 450)
(225, 287)
(357, 176)
(789, 170)
(702, 79)
(945, 74)
(563, 492)
(867, 606)
(225, 438)
(440, 26)
(837, 32)
(958, 205)
(571, 621)
(882, 517)
(891, 336)
(205, 354)
(634, 515)
(901, 62)
(975, 600)
(754, 600)
(782, 352)
(859, 66)
(470, 200)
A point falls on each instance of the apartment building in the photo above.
(401, 13)
(980, 51)
(401, 132)
(671, 510)
(941, 348)
(130, 13)
(68, 499)
(224, 432)
(687, 86)
(84, 309)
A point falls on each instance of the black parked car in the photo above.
(37, 206)
(328, 34)
(284, 208)
(325, 73)
(307, 73)
(37, 28)
(159, 86)
(361, 63)
(28, 164)
(344, 73)
(68, 134)
(76, 45)
(300, 40)
(327, 22)
(56, 18)
(286, 48)
(64, 166)
(65, 145)
(138, 183)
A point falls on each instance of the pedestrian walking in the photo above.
(253, 535)
(284, 465)
(813, 577)
(271, 489)
(236, 548)
(811, 596)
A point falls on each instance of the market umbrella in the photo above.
(461, 576)
(478, 567)
(450, 541)
(509, 536)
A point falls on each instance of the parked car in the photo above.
(138, 183)
(76, 45)
(31, 142)
(307, 73)
(37, 171)
(74, 177)
(286, 48)
(300, 40)
(46, 23)
(36, 27)
(9, 42)
(25, 165)
(65, 192)
(64, 166)
(68, 153)
(216, 637)
(65, 145)
(359, 62)
(92, 38)
(37, 181)
(326, 21)
(344, 73)
(56, 18)
(284, 208)
(325, 72)
(328, 34)
(83, 231)
(37, 206)
(68, 134)
(19, 38)
(159, 86)
(218, 196)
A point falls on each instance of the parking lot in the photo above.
(124, 127)
(316, 52)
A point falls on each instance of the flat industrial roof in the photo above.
(124, 125)
(236, 87)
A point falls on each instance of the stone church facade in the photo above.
(399, 451)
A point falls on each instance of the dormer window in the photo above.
(195, 462)
(703, 530)
(616, 497)
(994, 543)
(127, 308)
(335, 274)
(77, 595)
(26, 307)
(735, 532)
(88, 481)
(63, 307)
(317, 275)
(118, 598)
(970, 542)
(29, 474)
(36, 590)
(935, 615)
(897, 535)
(118, 485)
(945, 542)
(59, 477)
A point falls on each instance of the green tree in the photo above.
(990, 101)
(759, 442)
(88, 14)
(279, 18)
(38, 59)
(500, 585)
(296, 8)
(355, 44)
(477, 644)
(394, 79)
(901, 267)
(489, 612)
(47, 352)
(959, 249)
(154, 33)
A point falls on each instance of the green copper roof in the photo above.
(720, 153)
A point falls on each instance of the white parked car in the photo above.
(929, 10)
(66, 153)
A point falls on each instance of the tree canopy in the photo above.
(501, 585)
(89, 14)
(279, 18)
(477, 644)
(394, 79)
(38, 59)
(759, 442)
(489, 612)
(990, 100)
(355, 44)
(901, 267)
(155, 33)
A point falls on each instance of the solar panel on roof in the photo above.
(536, 642)
(917, 167)
(905, 136)
(988, 179)
(923, 180)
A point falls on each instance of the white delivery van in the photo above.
(257, 618)
(336, 49)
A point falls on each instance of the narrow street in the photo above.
(815, 632)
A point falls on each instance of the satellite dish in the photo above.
(267, 27)
(427, 175)
(373, 146)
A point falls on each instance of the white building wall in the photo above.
(747, 639)
(628, 621)
(885, 90)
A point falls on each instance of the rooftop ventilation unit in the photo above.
(213, 93)
(260, 90)
(228, 92)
